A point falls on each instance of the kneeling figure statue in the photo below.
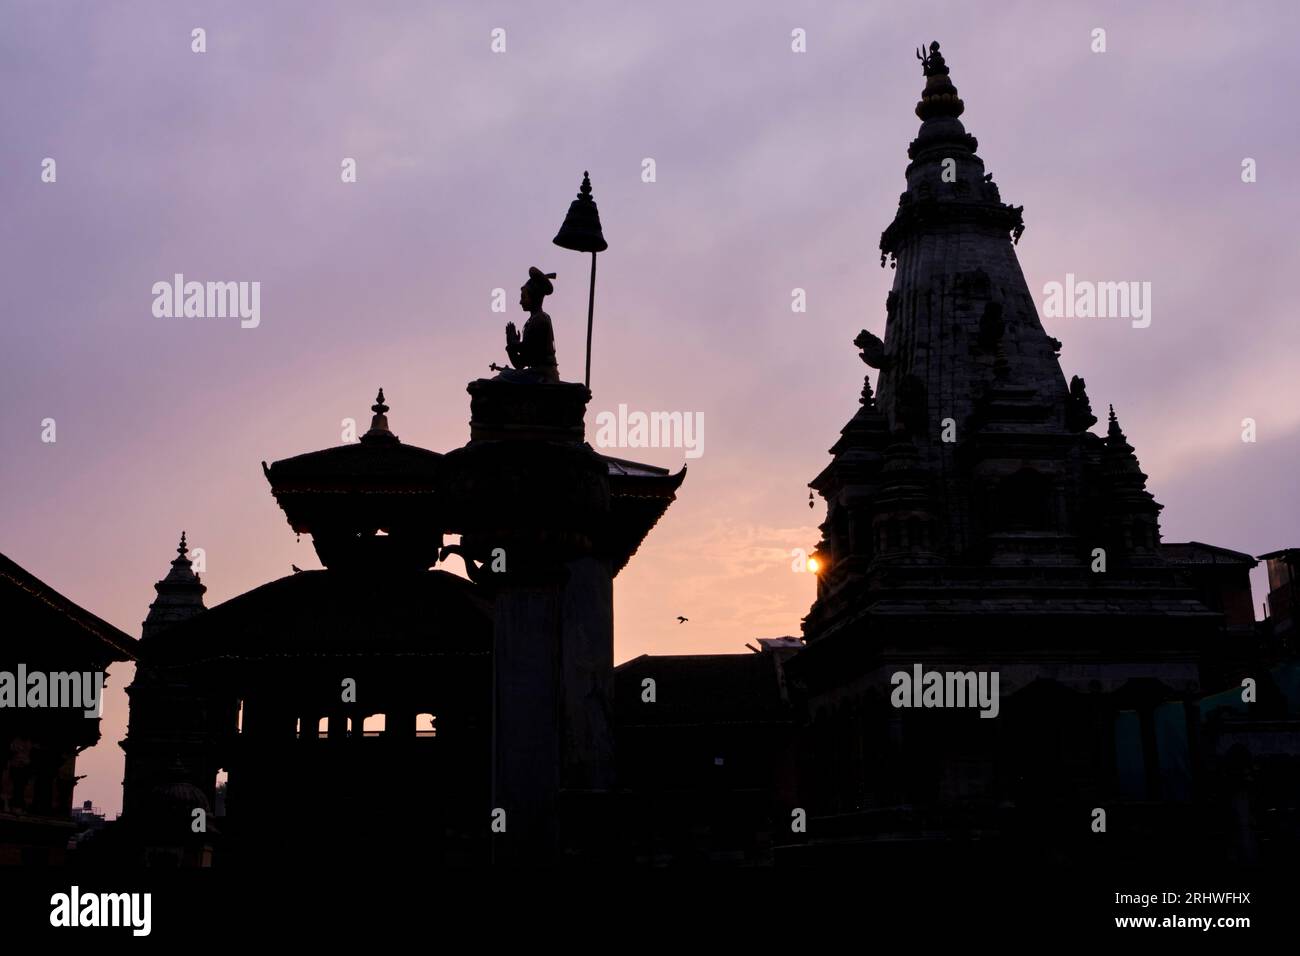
(532, 355)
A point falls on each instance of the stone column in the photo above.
(587, 666)
(526, 730)
(530, 499)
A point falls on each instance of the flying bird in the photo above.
(682, 620)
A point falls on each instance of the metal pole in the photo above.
(591, 308)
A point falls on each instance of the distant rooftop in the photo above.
(1197, 552)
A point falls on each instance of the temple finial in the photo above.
(181, 564)
(1112, 428)
(940, 96)
(933, 64)
(868, 398)
(379, 431)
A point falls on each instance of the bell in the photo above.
(581, 229)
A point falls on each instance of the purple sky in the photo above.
(775, 170)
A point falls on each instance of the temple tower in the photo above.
(975, 525)
(959, 302)
(169, 770)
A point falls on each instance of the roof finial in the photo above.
(940, 96)
(932, 65)
(379, 431)
(1112, 428)
(181, 564)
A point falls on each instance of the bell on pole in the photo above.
(581, 229)
(581, 232)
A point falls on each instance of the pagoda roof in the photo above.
(377, 463)
(334, 613)
(26, 599)
(356, 467)
(639, 496)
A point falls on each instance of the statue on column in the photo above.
(531, 354)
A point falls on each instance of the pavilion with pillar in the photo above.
(383, 706)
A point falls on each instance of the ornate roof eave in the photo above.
(631, 479)
(311, 488)
(355, 465)
(927, 213)
(639, 496)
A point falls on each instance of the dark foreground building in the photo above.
(1100, 693)
(45, 634)
(332, 698)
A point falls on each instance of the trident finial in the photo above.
(933, 64)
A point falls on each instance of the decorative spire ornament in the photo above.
(379, 431)
(581, 232)
(1113, 431)
(180, 594)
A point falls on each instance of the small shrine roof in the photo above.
(334, 613)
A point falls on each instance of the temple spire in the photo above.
(947, 184)
(182, 567)
(1131, 514)
(1113, 432)
(180, 593)
(867, 399)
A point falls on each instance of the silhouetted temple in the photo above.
(332, 697)
(975, 525)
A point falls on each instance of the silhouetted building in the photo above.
(48, 635)
(706, 755)
(493, 693)
(976, 526)
(976, 529)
